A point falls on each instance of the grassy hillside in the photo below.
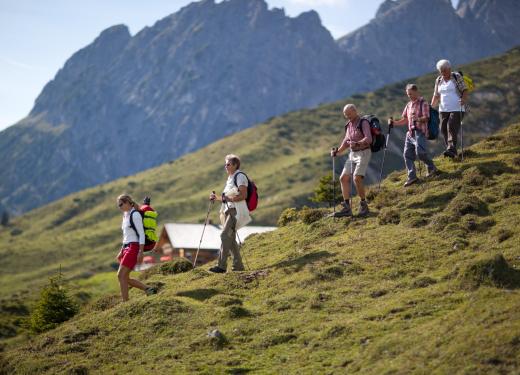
(285, 156)
(429, 283)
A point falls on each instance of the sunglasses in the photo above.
(120, 204)
(227, 164)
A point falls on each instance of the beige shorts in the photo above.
(360, 159)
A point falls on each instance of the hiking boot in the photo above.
(411, 181)
(434, 172)
(363, 208)
(449, 153)
(345, 210)
(151, 290)
(217, 269)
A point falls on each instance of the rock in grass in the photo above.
(490, 271)
(217, 339)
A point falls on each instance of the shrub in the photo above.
(512, 189)
(310, 215)
(464, 204)
(388, 216)
(178, 265)
(472, 176)
(491, 271)
(53, 307)
(323, 192)
(287, 216)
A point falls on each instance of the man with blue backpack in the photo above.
(416, 114)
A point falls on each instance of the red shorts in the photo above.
(129, 255)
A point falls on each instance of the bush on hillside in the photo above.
(464, 204)
(54, 307)
(289, 215)
(310, 215)
(323, 192)
(178, 265)
(472, 176)
(490, 271)
(388, 215)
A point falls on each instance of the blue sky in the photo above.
(38, 36)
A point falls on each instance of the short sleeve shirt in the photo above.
(230, 183)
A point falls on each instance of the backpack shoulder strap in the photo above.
(360, 124)
(421, 102)
(132, 224)
(236, 177)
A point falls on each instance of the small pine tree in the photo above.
(53, 307)
(5, 219)
(323, 192)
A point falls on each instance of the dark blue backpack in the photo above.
(433, 122)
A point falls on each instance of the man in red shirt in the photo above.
(416, 114)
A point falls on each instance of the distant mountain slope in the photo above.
(285, 156)
(124, 104)
(127, 103)
(429, 283)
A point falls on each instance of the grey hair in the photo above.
(349, 106)
(411, 86)
(441, 64)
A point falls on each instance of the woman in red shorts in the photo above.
(133, 245)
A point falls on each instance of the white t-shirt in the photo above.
(230, 184)
(129, 234)
(450, 98)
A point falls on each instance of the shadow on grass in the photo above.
(490, 271)
(435, 201)
(199, 294)
(300, 262)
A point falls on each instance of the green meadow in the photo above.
(427, 284)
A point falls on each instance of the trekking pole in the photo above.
(351, 179)
(224, 200)
(384, 153)
(461, 135)
(334, 183)
(210, 205)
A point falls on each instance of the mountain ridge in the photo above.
(204, 72)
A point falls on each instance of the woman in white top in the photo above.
(451, 93)
(131, 252)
